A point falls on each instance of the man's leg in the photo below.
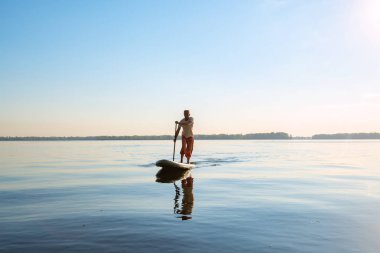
(183, 149)
(189, 148)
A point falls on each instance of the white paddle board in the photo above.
(171, 164)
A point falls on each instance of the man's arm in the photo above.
(186, 123)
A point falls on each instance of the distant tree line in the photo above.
(88, 138)
(347, 136)
(257, 136)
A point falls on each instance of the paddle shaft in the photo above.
(175, 131)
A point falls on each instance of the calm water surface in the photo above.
(242, 196)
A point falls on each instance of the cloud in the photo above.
(371, 96)
(276, 3)
(371, 104)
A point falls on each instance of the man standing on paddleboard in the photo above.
(187, 135)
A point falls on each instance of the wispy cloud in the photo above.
(276, 3)
(371, 96)
(368, 104)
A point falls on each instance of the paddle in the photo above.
(175, 139)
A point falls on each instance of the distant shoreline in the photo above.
(255, 136)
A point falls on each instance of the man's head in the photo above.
(186, 113)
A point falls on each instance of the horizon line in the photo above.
(267, 135)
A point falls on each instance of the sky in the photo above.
(83, 68)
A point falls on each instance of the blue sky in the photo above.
(131, 67)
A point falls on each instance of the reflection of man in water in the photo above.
(187, 199)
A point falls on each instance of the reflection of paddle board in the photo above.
(171, 164)
(170, 174)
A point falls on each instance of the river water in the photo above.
(242, 196)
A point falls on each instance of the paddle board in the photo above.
(171, 164)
